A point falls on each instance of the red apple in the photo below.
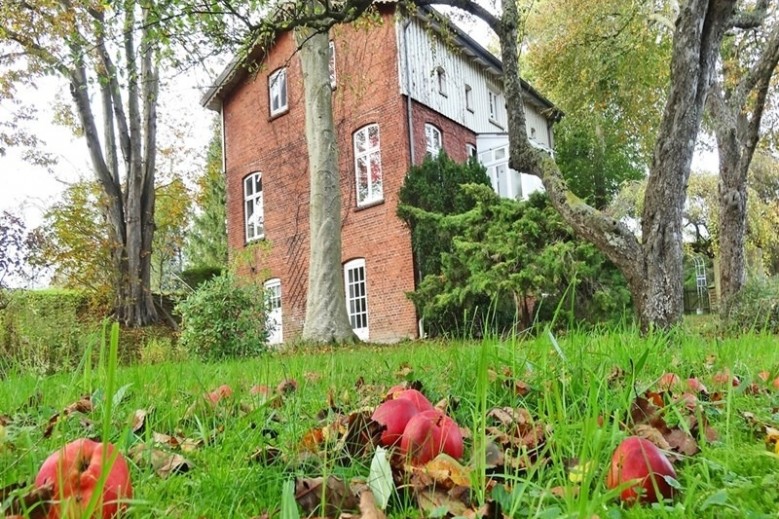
(696, 386)
(641, 463)
(668, 380)
(74, 472)
(428, 434)
(394, 415)
(420, 401)
(223, 391)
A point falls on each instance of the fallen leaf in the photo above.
(682, 442)
(337, 497)
(287, 386)
(27, 501)
(368, 507)
(265, 455)
(83, 406)
(139, 421)
(162, 462)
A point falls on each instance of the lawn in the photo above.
(579, 389)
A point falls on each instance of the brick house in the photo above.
(399, 93)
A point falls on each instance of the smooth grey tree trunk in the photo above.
(326, 317)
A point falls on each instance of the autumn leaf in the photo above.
(337, 497)
(163, 463)
(83, 406)
(27, 501)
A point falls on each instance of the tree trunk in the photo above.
(737, 106)
(653, 267)
(326, 317)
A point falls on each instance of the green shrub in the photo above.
(196, 276)
(756, 307)
(223, 319)
(43, 331)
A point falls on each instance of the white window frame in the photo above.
(254, 223)
(277, 92)
(470, 150)
(494, 108)
(331, 65)
(431, 131)
(440, 75)
(357, 296)
(272, 288)
(469, 98)
(370, 154)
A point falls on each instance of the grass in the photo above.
(570, 392)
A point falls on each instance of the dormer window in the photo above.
(440, 75)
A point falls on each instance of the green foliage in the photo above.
(594, 158)
(756, 306)
(43, 331)
(207, 242)
(196, 276)
(224, 319)
(513, 262)
(77, 242)
(434, 186)
(171, 217)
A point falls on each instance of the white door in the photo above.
(357, 297)
(273, 307)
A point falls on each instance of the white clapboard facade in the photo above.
(450, 73)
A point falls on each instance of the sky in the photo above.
(28, 190)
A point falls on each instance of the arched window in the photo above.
(433, 140)
(357, 296)
(367, 165)
(253, 207)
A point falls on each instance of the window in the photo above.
(433, 141)
(470, 150)
(277, 88)
(367, 165)
(356, 296)
(494, 107)
(332, 65)
(533, 133)
(253, 210)
(273, 309)
(506, 182)
(440, 74)
(469, 98)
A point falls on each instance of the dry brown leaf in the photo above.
(431, 499)
(312, 376)
(265, 455)
(510, 416)
(287, 386)
(337, 497)
(521, 388)
(139, 421)
(616, 374)
(34, 502)
(681, 441)
(162, 462)
(653, 435)
(83, 406)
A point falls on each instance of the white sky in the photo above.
(29, 190)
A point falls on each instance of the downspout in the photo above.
(412, 161)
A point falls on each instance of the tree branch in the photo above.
(751, 19)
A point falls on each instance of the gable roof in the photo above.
(237, 70)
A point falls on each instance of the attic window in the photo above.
(277, 91)
(469, 98)
(440, 74)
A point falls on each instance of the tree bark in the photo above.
(736, 107)
(653, 267)
(326, 317)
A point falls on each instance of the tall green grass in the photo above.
(570, 392)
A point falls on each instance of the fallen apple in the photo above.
(420, 401)
(641, 464)
(223, 391)
(668, 380)
(393, 415)
(74, 472)
(428, 434)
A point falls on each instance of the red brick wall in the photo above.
(368, 92)
(454, 136)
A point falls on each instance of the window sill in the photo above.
(469, 109)
(254, 240)
(496, 123)
(443, 94)
(278, 114)
(368, 205)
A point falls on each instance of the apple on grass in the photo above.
(393, 415)
(420, 401)
(74, 473)
(428, 434)
(639, 462)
